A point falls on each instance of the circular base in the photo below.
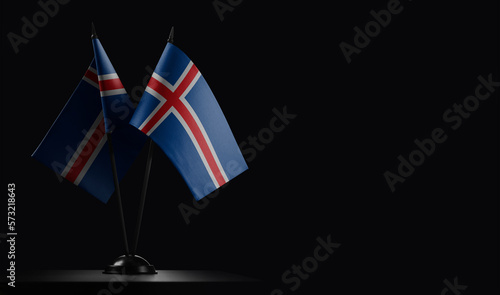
(130, 264)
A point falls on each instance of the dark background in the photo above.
(322, 175)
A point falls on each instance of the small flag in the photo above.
(76, 147)
(180, 113)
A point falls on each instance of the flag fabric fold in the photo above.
(180, 113)
(116, 104)
(76, 148)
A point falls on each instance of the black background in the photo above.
(322, 175)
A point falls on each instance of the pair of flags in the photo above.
(177, 110)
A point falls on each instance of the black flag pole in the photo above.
(128, 263)
(143, 194)
(146, 176)
(115, 175)
(117, 191)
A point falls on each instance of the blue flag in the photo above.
(180, 113)
(76, 145)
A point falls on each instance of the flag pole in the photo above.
(146, 175)
(128, 263)
(115, 175)
(117, 190)
(143, 194)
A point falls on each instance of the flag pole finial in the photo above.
(94, 34)
(171, 36)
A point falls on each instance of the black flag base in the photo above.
(130, 264)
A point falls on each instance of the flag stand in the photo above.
(128, 263)
(132, 263)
